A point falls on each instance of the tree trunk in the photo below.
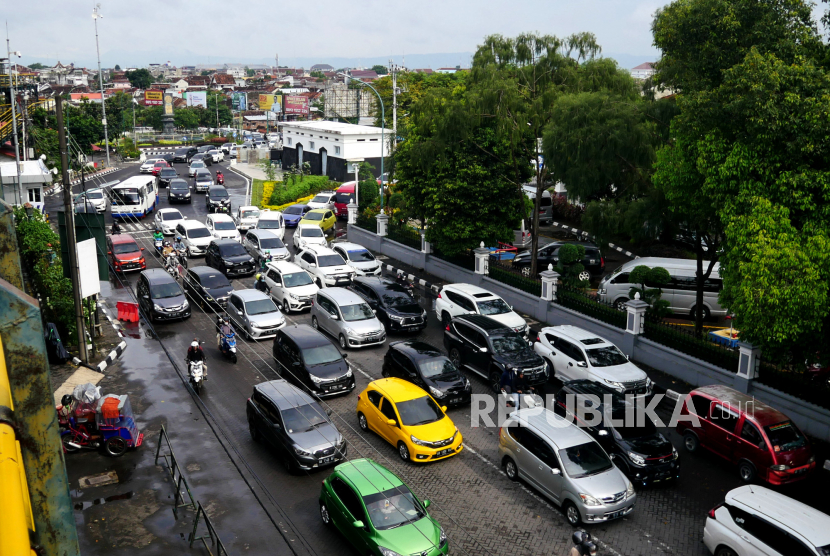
(537, 204)
(700, 280)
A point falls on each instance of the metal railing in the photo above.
(683, 338)
(502, 270)
(404, 235)
(578, 300)
(210, 534)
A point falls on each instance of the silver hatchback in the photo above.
(347, 317)
(566, 465)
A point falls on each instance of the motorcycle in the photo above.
(220, 178)
(402, 280)
(157, 243)
(227, 345)
(197, 372)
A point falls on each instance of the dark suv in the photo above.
(487, 347)
(184, 154)
(207, 286)
(218, 200)
(641, 452)
(291, 421)
(204, 157)
(229, 257)
(394, 306)
(425, 366)
(309, 359)
(166, 175)
(593, 261)
(160, 297)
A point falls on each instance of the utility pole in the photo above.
(96, 13)
(394, 69)
(71, 243)
(18, 186)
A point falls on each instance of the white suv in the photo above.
(246, 217)
(465, 299)
(359, 258)
(577, 354)
(291, 287)
(273, 221)
(756, 521)
(222, 226)
(195, 236)
(307, 235)
(326, 267)
(323, 200)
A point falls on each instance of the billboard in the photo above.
(266, 101)
(277, 106)
(153, 97)
(239, 101)
(168, 104)
(296, 105)
(197, 98)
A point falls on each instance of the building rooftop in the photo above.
(336, 128)
(645, 66)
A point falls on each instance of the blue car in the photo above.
(294, 214)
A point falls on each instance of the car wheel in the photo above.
(619, 304)
(314, 324)
(362, 422)
(725, 551)
(747, 471)
(585, 276)
(572, 513)
(526, 271)
(324, 515)
(115, 446)
(495, 381)
(455, 357)
(384, 373)
(403, 451)
(691, 442)
(706, 313)
(343, 343)
(510, 469)
(254, 432)
(550, 370)
(285, 307)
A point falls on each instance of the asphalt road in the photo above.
(482, 511)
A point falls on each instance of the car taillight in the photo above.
(447, 328)
(602, 261)
(538, 337)
(712, 511)
(439, 295)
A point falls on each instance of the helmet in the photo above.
(66, 400)
(588, 549)
(580, 537)
(178, 238)
(194, 344)
(258, 276)
(167, 244)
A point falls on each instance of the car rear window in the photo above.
(173, 215)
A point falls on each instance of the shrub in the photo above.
(219, 140)
(169, 142)
(290, 191)
(564, 210)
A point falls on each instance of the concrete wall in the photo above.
(812, 419)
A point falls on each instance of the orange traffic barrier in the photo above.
(127, 311)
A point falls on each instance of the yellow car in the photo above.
(320, 217)
(409, 419)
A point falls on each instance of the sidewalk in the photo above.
(130, 511)
(253, 171)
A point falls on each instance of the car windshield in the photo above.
(121, 248)
(260, 307)
(180, 184)
(271, 243)
(172, 215)
(303, 418)
(360, 256)
(321, 355)
(584, 460)
(161, 291)
(232, 249)
(330, 260)
(311, 232)
(420, 411)
(250, 214)
(392, 508)
(296, 279)
(224, 225)
(296, 209)
(215, 280)
(437, 366)
(125, 197)
(197, 164)
(493, 307)
(95, 195)
(785, 437)
(205, 177)
(217, 192)
(314, 216)
(268, 224)
(168, 172)
(607, 356)
(196, 233)
(320, 199)
(509, 343)
(360, 311)
(396, 296)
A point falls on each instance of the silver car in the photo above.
(346, 316)
(261, 243)
(566, 465)
(254, 314)
(95, 197)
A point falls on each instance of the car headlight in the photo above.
(386, 552)
(292, 296)
(418, 441)
(614, 384)
(315, 380)
(396, 318)
(185, 305)
(157, 307)
(436, 392)
(629, 490)
(674, 453)
(300, 452)
(349, 373)
(636, 458)
(589, 500)
(442, 539)
(348, 330)
(780, 467)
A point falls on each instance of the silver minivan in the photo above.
(346, 316)
(566, 465)
(680, 292)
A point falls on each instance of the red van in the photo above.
(760, 440)
(345, 195)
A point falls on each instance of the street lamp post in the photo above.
(96, 14)
(382, 126)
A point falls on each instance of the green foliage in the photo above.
(269, 169)
(651, 281)
(289, 191)
(249, 72)
(140, 78)
(379, 69)
(188, 118)
(570, 265)
(116, 68)
(37, 66)
(317, 74)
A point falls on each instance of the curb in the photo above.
(586, 235)
(412, 278)
(59, 187)
(111, 357)
(116, 324)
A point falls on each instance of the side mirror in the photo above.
(582, 364)
(556, 471)
(296, 363)
(374, 312)
(142, 249)
(185, 218)
(345, 355)
(334, 316)
(312, 265)
(444, 408)
(391, 422)
(426, 504)
(483, 350)
(110, 252)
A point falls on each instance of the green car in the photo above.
(377, 513)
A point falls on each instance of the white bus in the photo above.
(135, 197)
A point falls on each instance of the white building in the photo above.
(34, 176)
(643, 71)
(330, 147)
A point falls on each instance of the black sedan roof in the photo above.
(416, 349)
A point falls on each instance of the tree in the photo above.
(187, 118)
(37, 66)
(140, 79)
(379, 69)
(117, 67)
(650, 280)
(317, 74)
(249, 72)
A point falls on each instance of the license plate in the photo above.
(616, 514)
(328, 459)
(455, 400)
(335, 387)
(799, 471)
(174, 314)
(444, 452)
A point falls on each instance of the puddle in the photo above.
(98, 501)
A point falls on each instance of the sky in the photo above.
(364, 32)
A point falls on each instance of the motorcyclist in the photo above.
(261, 285)
(177, 244)
(65, 408)
(583, 546)
(116, 229)
(521, 386)
(225, 329)
(158, 236)
(219, 176)
(195, 353)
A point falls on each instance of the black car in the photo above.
(168, 157)
(207, 285)
(204, 157)
(487, 347)
(291, 421)
(641, 452)
(423, 365)
(307, 358)
(184, 154)
(205, 148)
(166, 176)
(229, 257)
(178, 191)
(593, 261)
(394, 305)
(217, 199)
(160, 297)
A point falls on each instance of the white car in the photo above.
(577, 354)
(308, 234)
(226, 148)
(147, 166)
(195, 165)
(465, 299)
(273, 221)
(195, 236)
(167, 219)
(217, 155)
(232, 151)
(756, 521)
(291, 287)
(323, 200)
(359, 258)
(246, 217)
(221, 226)
(326, 267)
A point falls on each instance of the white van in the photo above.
(680, 292)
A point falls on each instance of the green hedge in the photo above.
(296, 187)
